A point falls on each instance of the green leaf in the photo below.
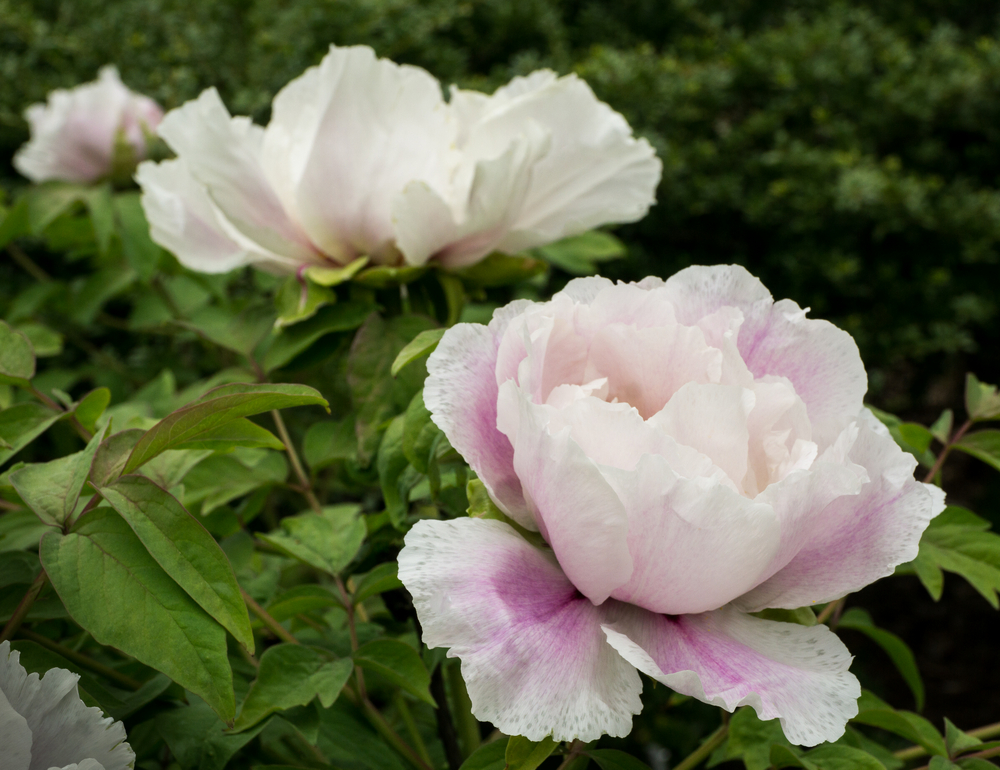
(941, 429)
(391, 464)
(17, 358)
(239, 432)
(982, 401)
(489, 756)
(804, 616)
(612, 759)
(383, 578)
(956, 541)
(419, 433)
(20, 529)
(523, 754)
(454, 296)
(294, 340)
(833, 756)
(958, 742)
(750, 739)
(421, 345)
(112, 455)
(219, 406)
(292, 675)
(579, 254)
(983, 444)
(184, 549)
(48, 201)
(300, 299)
(89, 409)
(328, 542)
(328, 441)
(784, 756)
(52, 489)
(18, 567)
(399, 663)
(140, 252)
(350, 743)
(913, 727)
(100, 206)
(897, 650)
(239, 331)
(916, 436)
(903, 433)
(222, 478)
(302, 599)
(943, 763)
(332, 276)
(167, 470)
(89, 297)
(114, 589)
(23, 423)
(382, 276)
(197, 738)
(44, 341)
(378, 396)
(974, 763)
(15, 223)
(501, 270)
(482, 507)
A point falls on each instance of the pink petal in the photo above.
(795, 673)
(831, 550)
(820, 360)
(461, 394)
(695, 544)
(533, 655)
(575, 507)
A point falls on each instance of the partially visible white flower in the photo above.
(363, 157)
(45, 726)
(73, 135)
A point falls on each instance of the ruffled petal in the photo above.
(574, 506)
(461, 393)
(63, 729)
(795, 673)
(14, 732)
(595, 172)
(346, 137)
(185, 221)
(695, 544)
(533, 655)
(834, 549)
(224, 154)
(776, 338)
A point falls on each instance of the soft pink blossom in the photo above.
(691, 451)
(73, 136)
(363, 157)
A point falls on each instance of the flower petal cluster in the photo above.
(74, 135)
(363, 157)
(692, 452)
(45, 725)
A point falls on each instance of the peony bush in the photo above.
(255, 515)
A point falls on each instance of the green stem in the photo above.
(994, 752)
(944, 452)
(700, 754)
(384, 729)
(81, 659)
(273, 625)
(27, 263)
(575, 750)
(24, 607)
(411, 728)
(293, 458)
(983, 733)
(465, 723)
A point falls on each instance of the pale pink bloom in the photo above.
(691, 452)
(73, 136)
(45, 725)
(363, 157)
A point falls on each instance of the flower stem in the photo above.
(944, 452)
(466, 724)
(293, 458)
(995, 751)
(984, 732)
(384, 729)
(411, 728)
(829, 609)
(710, 744)
(81, 659)
(273, 625)
(24, 607)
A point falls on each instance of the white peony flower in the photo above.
(45, 726)
(691, 452)
(363, 157)
(73, 136)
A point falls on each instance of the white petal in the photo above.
(575, 507)
(15, 735)
(857, 538)
(695, 544)
(224, 154)
(185, 221)
(346, 137)
(533, 655)
(63, 729)
(796, 673)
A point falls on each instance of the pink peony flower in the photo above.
(691, 452)
(73, 136)
(363, 157)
